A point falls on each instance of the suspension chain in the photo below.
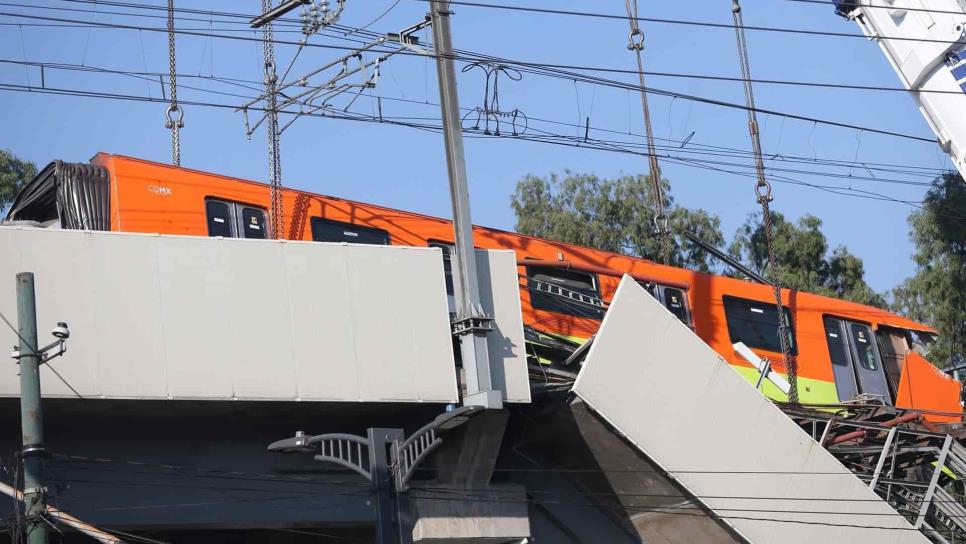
(174, 114)
(274, 150)
(635, 42)
(763, 192)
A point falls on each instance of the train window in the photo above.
(220, 221)
(327, 230)
(231, 219)
(674, 299)
(253, 222)
(676, 303)
(755, 324)
(864, 346)
(447, 262)
(564, 291)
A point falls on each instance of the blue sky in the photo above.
(405, 168)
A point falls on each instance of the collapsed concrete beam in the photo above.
(685, 408)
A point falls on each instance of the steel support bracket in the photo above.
(472, 325)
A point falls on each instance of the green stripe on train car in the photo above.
(810, 391)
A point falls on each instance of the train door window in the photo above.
(838, 350)
(327, 230)
(564, 291)
(650, 288)
(447, 263)
(253, 224)
(232, 219)
(220, 218)
(893, 347)
(676, 302)
(872, 378)
(755, 324)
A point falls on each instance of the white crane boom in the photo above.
(925, 43)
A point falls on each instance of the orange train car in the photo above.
(843, 349)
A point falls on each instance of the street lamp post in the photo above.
(387, 459)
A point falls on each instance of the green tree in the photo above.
(936, 294)
(14, 173)
(803, 260)
(611, 214)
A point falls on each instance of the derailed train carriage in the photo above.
(842, 349)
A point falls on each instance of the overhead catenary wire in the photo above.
(695, 148)
(686, 22)
(544, 69)
(445, 494)
(210, 473)
(350, 30)
(554, 11)
(554, 139)
(830, 188)
(635, 43)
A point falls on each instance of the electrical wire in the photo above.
(702, 149)
(448, 494)
(685, 22)
(569, 141)
(550, 70)
(695, 149)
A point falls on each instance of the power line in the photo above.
(673, 145)
(569, 141)
(706, 24)
(559, 71)
(469, 496)
(508, 7)
(815, 84)
(724, 152)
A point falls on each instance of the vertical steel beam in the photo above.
(882, 458)
(931, 490)
(31, 411)
(470, 318)
(828, 427)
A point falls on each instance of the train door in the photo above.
(856, 362)
(235, 220)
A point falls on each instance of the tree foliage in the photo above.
(611, 214)
(803, 259)
(14, 173)
(936, 294)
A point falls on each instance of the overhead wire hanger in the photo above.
(635, 43)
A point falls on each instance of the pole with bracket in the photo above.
(31, 412)
(471, 324)
(386, 459)
(380, 442)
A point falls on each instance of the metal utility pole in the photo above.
(31, 411)
(471, 324)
